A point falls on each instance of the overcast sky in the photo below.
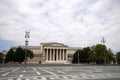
(76, 23)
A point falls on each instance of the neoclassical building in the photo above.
(51, 53)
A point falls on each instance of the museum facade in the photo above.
(51, 53)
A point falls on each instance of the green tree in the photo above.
(76, 55)
(85, 55)
(118, 57)
(18, 55)
(10, 56)
(82, 54)
(1, 57)
(92, 57)
(100, 52)
(110, 56)
(29, 53)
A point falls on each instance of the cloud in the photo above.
(75, 23)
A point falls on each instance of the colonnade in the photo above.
(55, 54)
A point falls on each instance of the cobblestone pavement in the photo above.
(61, 73)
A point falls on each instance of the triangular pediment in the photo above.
(54, 44)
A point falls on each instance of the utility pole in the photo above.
(4, 53)
(27, 35)
(103, 41)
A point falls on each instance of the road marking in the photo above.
(43, 78)
(5, 74)
(61, 72)
(74, 77)
(38, 72)
(24, 71)
(6, 69)
(47, 71)
(65, 77)
(52, 78)
(20, 75)
(34, 69)
(15, 69)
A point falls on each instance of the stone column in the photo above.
(60, 54)
(47, 54)
(66, 54)
(53, 54)
(56, 54)
(44, 53)
(63, 55)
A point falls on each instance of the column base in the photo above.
(56, 62)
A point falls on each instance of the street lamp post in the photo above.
(104, 41)
(26, 44)
(4, 53)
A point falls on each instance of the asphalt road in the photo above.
(60, 72)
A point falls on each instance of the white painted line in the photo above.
(47, 71)
(43, 78)
(20, 75)
(38, 72)
(52, 78)
(6, 69)
(34, 69)
(15, 69)
(5, 74)
(74, 77)
(10, 79)
(24, 71)
(61, 72)
(65, 77)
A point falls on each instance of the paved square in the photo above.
(61, 73)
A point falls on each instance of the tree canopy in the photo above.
(18, 55)
(83, 55)
(96, 54)
(118, 57)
